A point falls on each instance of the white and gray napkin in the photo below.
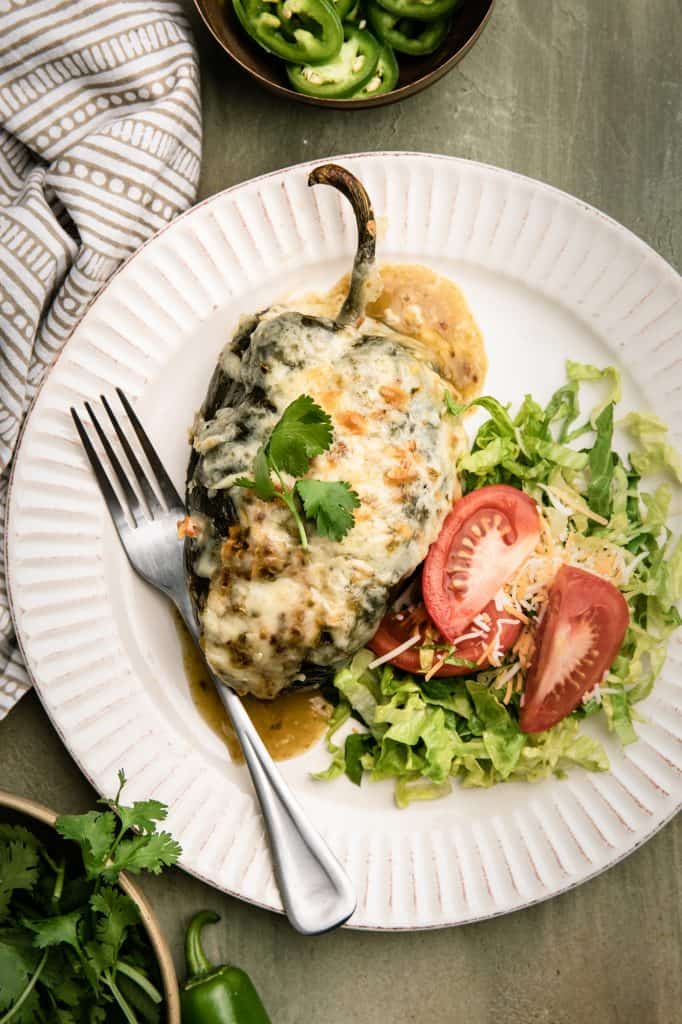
(100, 146)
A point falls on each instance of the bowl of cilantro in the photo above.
(78, 940)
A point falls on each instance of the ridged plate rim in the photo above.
(470, 858)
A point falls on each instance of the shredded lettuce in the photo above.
(424, 735)
(655, 454)
(421, 733)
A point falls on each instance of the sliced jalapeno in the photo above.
(406, 35)
(308, 31)
(343, 8)
(385, 76)
(422, 10)
(349, 70)
(355, 14)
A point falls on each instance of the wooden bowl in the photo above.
(38, 812)
(416, 73)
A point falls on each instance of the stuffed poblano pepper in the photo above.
(322, 469)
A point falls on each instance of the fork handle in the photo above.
(316, 892)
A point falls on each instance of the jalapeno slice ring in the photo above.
(355, 14)
(343, 8)
(384, 78)
(285, 28)
(406, 35)
(421, 10)
(344, 74)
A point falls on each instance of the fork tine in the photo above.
(109, 494)
(131, 498)
(164, 482)
(140, 475)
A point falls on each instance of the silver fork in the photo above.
(316, 892)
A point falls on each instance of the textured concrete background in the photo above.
(583, 94)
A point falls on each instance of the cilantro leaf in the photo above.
(143, 853)
(330, 504)
(18, 869)
(262, 482)
(51, 931)
(65, 988)
(94, 832)
(142, 814)
(100, 957)
(118, 910)
(114, 913)
(17, 833)
(16, 967)
(303, 431)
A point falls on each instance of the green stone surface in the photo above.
(585, 95)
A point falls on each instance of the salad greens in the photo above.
(423, 733)
(72, 947)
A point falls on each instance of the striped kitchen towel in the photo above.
(100, 146)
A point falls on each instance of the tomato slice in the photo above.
(485, 539)
(398, 626)
(578, 639)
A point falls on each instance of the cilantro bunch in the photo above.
(72, 948)
(303, 431)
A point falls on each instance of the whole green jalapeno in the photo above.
(215, 994)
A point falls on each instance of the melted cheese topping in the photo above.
(271, 604)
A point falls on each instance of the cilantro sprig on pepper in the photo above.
(303, 431)
(71, 944)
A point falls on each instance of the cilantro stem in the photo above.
(120, 999)
(59, 882)
(140, 979)
(49, 860)
(114, 846)
(290, 501)
(287, 496)
(121, 783)
(31, 984)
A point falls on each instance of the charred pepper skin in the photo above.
(216, 994)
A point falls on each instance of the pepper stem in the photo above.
(346, 183)
(197, 961)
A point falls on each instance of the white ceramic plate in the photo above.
(547, 277)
